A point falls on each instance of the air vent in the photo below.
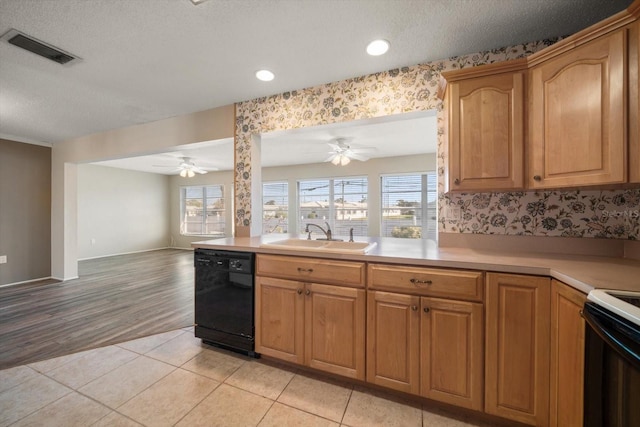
(45, 50)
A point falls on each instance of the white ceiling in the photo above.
(145, 60)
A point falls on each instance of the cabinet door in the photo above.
(577, 116)
(280, 318)
(393, 334)
(567, 355)
(486, 131)
(634, 103)
(335, 329)
(452, 363)
(517, 310)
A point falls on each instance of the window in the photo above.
(409, 206)
(275, 207)
(202, 210)
(342, 202)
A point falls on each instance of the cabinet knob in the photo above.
(537, 178)
(420, 282)
(308, 292)
(305, 270)
(426, 309)
(456, 181)
(299, 291)
(414, 307)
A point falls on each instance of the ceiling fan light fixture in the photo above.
(341, 159)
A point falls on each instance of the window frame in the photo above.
(332, 208)
(286, 223)
(427, 232)
(204, 224)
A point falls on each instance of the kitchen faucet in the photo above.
(326, 232)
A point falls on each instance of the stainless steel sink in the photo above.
(321, 245)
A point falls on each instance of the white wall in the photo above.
(123, 211)
(176, 182)
(156, 137)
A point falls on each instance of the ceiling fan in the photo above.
(187, 168)
(343, 152)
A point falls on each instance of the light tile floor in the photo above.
(173, 379)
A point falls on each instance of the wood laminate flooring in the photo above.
(115, 299)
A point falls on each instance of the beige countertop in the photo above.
(579, 271)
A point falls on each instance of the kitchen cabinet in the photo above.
(421, 344)
(567, 356)
(280, 319)
(577, 115)
(451, 349)
(486, 127)
(393, 341)
(315, 324)
(517, 312)
(634, 94)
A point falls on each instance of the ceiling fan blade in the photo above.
(356, 156)
(331, 157)
(363, 149)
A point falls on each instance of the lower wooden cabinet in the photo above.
(280, 319)
(567, 356)
(451, 352)
(393, 341)
(335, 329)
(427, 346)
(517, 310)
(321, 326)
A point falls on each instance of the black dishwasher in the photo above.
(224, 299)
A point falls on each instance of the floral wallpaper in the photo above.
(605, 214)
(611, 214)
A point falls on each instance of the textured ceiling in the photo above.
(145, 60)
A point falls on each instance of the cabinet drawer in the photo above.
(457, 284)
(346, 273)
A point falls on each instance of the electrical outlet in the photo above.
(3, 259)
(452, 213)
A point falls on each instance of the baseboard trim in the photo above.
(30, 281)
(125, 253)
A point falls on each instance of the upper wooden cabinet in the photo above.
(486, 128)
(564, 117)
(577, 117)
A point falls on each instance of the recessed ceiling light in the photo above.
(378, 47)
(265, 75)
(197, 2)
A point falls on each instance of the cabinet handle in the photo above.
(308, 292)
(305, 270)
(537, 178)
(420, 282)
(426, 309)
(299, 291)
(456, 181)
(414, 307)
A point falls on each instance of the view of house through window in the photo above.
(202, 210)
(409, 206)
(275, 207)
(341, 202)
